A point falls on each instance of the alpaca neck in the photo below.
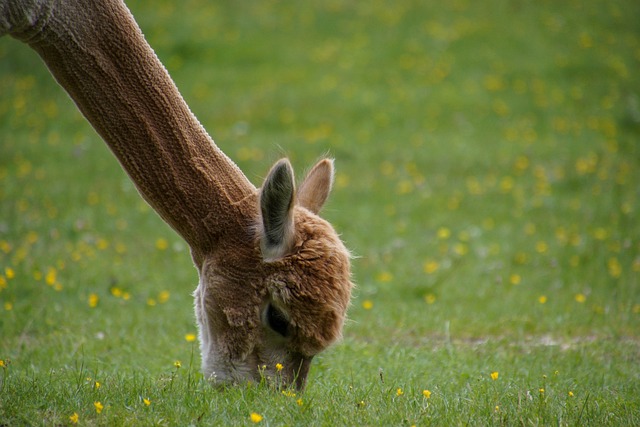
(97, 53)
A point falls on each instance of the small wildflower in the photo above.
(430, 266)
(96, 385)
(299, 402)
(74, 418)
(9, 273)
(399, 392)
(443, 233)
(147, 402)
(190, 337)
(50, 278)
(580, 298)
(255, 417)
(99, 407)
(163, 297)
(367, 304)
(2, 365)
(542, 299)
(384, 277)
(162, 244)
(288, 393)
(460, 249)
(177, 364)
(279, 367)
(496, 409)
(102, 244)
(542, 247)
(541, 390)
(8, 306)
(93, 300)
(570, 394)
(494, 375)
(426, 394)
(430, 298)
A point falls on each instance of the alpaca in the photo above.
(274, 277)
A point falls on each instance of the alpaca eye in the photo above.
(277, 321)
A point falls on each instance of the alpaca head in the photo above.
(275, 299)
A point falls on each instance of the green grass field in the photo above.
(488, 158)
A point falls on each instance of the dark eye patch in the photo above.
(277, 321)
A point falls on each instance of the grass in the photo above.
(488, 169)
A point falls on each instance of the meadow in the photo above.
(488, 170)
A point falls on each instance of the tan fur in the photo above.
(97, 53)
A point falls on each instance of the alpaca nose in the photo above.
(301, 365)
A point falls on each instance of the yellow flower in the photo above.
(460, 249)
(99, 407)
(430, 266)
(494, 375)
(615, 269)
(384, 277)
(102, 244)
(570, 394)
(426, 394)
(515, 279)
(8, 271)
(399, 392)
(279, 367)
(367, 304)
(299, 402)
(163, 297)
(50, 278)
(443, 233)
(288, 393)
(2, 365)
(542, 299)
(74, 418)
(542, 247)
(177, 364)
(190, 337)
(255, 417)
(97, 385)
(162, 244)
(93, 300)
(580, 298)
(541, 390)
(430, 298)
(147, 402)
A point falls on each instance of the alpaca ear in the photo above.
(276, 206)
(315, 188)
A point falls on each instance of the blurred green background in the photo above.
(487, 161)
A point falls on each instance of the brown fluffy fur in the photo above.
(97, 53)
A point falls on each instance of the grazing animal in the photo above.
(274, 277)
